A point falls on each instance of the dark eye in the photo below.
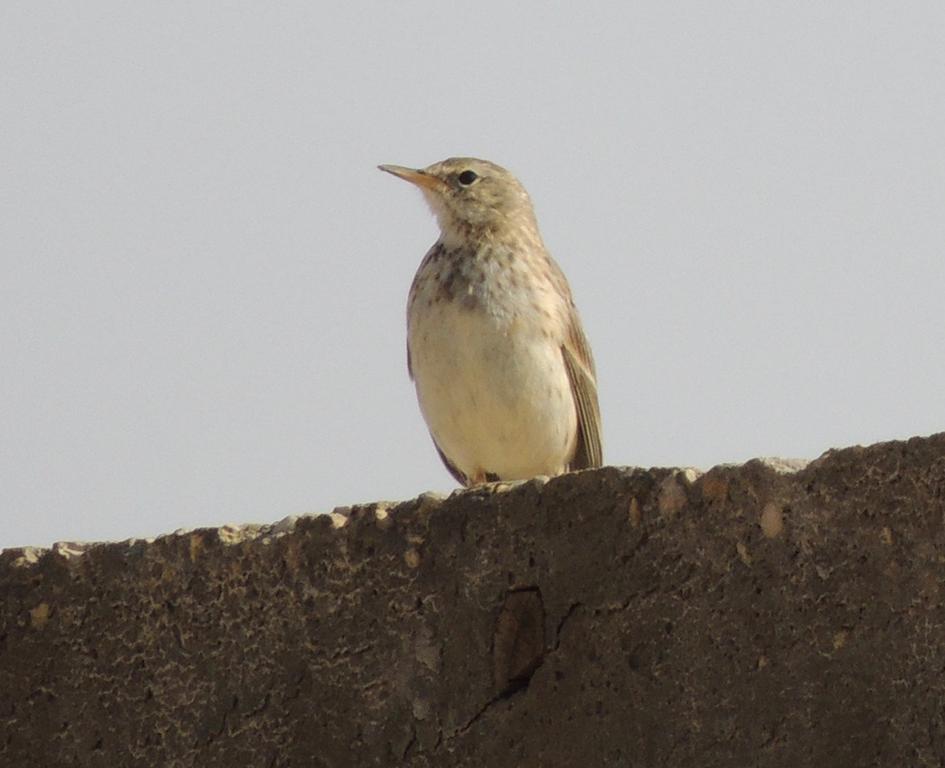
(467, 177)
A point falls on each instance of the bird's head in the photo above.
(469, 196)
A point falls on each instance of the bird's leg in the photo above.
(479, 477)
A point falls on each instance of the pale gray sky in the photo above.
(203, 275)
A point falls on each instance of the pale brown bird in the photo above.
(503, 370)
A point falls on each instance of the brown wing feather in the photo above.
(580, 366)
(460, 477)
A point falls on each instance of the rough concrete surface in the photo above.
(748, 616)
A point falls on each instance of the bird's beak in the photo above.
(414, 176)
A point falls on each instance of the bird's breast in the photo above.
(490, 376)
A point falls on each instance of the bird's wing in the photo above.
(460, 477)
(580, 366)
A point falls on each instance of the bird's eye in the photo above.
(467, 177)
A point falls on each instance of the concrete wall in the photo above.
(750, 616)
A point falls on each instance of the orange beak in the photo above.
(414, 176)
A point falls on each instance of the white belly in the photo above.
(494, 392)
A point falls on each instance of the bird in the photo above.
(503, 370)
